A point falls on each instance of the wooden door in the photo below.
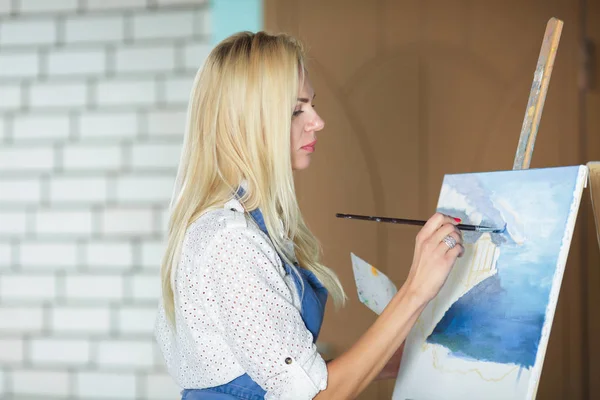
(411, 90)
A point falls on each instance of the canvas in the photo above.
(375, 290)
(485, 335)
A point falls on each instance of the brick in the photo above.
(72, 352)
(152, 254)
(94, 158)
(53, 222)
(78, 190)
(41, 6)
(125, 353)
(126, 92)
(13, 223)
(48, 126)
(11, 351)
(178, 89)
(47, 255)
(111, 385)
(94, 287)
(108, 124)
(155, 155)
(202, 22)
(77, 62)
(6, 260)
(61, 95)
(163, 24)
(19, 65)
(164, 218)
(29, 287)
(144, 189)
(85, 320)
(195, 55)
(114, 4)
(146, 287)
(45, 383)
(127, 221)
(136, 320)
(34, 32)
(10, 98)
(5, 7)
(161, 387)
(102, 255)
(21, 319)
(167, 123)
(21, 191)
(39, 159)
(163, 3)
(102, 29)
(145, 59)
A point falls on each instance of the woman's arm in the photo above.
(390, 370)
(350, 373)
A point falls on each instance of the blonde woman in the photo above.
(243, 288)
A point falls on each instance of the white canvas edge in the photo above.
(557, 282)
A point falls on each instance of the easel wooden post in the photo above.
(537, 96)
(594, 174)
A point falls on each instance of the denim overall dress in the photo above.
(313, 307)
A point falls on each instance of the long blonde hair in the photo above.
(238, 129)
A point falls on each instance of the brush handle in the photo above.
(403, 221)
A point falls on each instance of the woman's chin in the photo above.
(301, 163)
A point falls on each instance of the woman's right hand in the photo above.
(433, 259)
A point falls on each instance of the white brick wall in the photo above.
(74, 352)
(23, 32)
(93, 99)
(43, 382)
(80, 320)
(21, 64)
(108, 385)
(95, 29)
(11, 98)
(11, 351)
(81, 62)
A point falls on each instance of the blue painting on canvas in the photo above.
(500, 319)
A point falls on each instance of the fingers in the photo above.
(454, 253)
(446, 230)
(433, 224)
(456, 235)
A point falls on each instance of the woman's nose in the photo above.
(316, 124)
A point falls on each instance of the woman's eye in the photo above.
(297, 112)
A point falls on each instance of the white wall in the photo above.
(93, 96)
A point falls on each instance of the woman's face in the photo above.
(305, 125)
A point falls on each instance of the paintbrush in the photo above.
(462, 227)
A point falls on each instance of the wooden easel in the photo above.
(533, 114)
(594, 174)
(537, 96)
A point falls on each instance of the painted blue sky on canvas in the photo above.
(500, 319)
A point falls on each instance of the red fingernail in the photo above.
(457, 219)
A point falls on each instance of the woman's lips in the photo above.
(310, 147)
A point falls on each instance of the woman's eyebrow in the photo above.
(305, 100)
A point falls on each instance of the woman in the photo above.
(243, 288)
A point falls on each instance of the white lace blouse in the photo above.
(237, 312)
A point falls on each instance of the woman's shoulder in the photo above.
(219, 223)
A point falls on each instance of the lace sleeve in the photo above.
(244, 292)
